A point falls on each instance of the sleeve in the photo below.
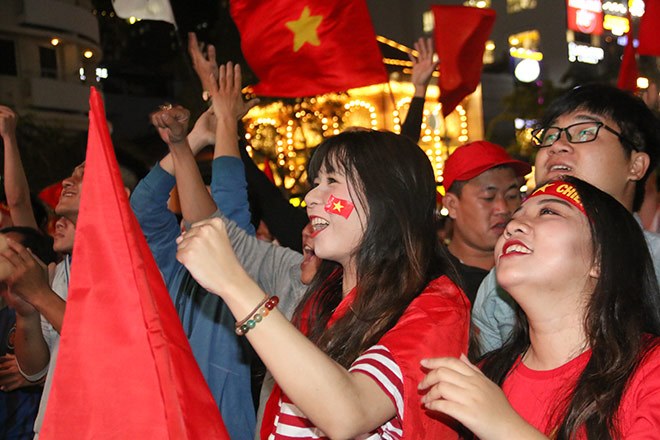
(275, 269)
(229, 191)
(377, 363)
(284, 221)
(412, 126)
(492, 314)
(159, 225)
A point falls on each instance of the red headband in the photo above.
(562, 190)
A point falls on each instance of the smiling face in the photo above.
(69, 203)
(336, 236)
(603, 162)
(545, 254)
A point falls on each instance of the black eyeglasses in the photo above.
(579, 133)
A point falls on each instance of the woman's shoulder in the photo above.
(441, 305)
(440, 296)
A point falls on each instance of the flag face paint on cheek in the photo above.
(339, 206)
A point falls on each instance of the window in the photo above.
(513, 6)
(48, 62)
(8, 57)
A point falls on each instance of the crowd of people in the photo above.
(539, 319)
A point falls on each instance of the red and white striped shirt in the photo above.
(377, 362)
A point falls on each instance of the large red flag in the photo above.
(308, 48)
(628, 71)
(460, 39)
(649, 29)
(125, 369)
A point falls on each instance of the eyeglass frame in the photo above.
(539, 143)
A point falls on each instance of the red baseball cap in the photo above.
(470, 160)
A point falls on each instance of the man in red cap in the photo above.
(482, 184)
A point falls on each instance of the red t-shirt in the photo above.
(535, 395)
(435, 324)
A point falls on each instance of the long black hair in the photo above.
(624, 306)
(398, 254)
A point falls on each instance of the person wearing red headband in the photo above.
(602, 135)
(583, 361)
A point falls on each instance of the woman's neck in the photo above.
(553, 342)
(349, 280)
(556, 327)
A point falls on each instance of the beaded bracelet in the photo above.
(259, 313)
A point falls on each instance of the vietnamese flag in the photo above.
(125, 369)
(305, 48)
(649, 29)
(460, 40)
(628, 71)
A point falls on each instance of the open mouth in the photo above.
(318, 224)
(515, 247)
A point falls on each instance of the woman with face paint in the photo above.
(381, 301)
(584, 359)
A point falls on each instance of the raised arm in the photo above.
(172, 123)
(15, 181)
(352, 403)
(422, 71)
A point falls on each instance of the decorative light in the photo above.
(88, 54)
(642, 83)
(527, 71)
(55, 41)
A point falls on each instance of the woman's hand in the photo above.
(459, 389)
(206, 252)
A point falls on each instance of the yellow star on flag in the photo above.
(304, 29)
(543, 188)
(337, 206)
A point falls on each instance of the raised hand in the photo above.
(226, 93)
(206, 252)
(424, 65)
(203, 132)
(172, 123)
(205, 66)
(7, 122)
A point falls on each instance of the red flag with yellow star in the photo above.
(305, 48)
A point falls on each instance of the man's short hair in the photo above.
(637, 123)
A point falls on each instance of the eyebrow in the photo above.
(556, 200)
(584, 117)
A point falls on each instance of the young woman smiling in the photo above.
(583, 361)
(380, 302)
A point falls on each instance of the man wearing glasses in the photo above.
(599, 134)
